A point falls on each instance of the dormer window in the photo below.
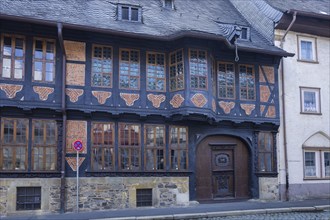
(168, 4)
(129, 13)
(245, 33)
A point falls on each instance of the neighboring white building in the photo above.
(302, 28)
(304, 142)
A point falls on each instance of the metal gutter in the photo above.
(63, 108)
(309, 14)
(171, 37)
(287, 184)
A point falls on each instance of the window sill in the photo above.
(29, 174)
(266, 174)
(162, 173)
(308, 61)
(310, 113)
(316, 178)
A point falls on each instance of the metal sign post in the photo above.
(77, 181)
(78, 146)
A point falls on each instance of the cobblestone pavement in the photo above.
(323, 215)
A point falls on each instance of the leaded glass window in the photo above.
(176, 70)
(178, 148)
(102, 66)
(14, 141)
(226, 80)
(129, 146)
(198, 69)
(154, 147)
(156, 80)
(266, 152)
(102, 146)
(129, 69)
(247, 82)
(12, 57)
(44, 60)
(44, 149)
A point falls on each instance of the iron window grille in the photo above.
(28, 198)
(143, 197)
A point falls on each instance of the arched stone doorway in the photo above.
(222, 169)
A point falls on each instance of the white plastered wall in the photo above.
(300, 127)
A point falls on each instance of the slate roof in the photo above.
(216, 18)
(260, 15)
(321, 7)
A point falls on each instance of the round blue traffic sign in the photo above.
(78, 145)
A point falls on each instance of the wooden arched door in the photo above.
(222, 169)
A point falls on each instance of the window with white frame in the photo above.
(310, 100)
(317, 163)
(307, 49)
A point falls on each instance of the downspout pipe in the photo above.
(287, 184)
(63, 108)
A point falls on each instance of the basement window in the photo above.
(28, 198)
(143, 197)
(129, 13)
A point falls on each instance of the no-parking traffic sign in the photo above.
(78, 145)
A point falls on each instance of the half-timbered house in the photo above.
(173, 100)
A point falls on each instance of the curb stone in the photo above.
(224, 213)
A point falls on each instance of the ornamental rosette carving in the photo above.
(156, 99)
(227, 106)
(74, 94)
(129, 98)
(101, 96)
(10, 89)
(176, 100)
(43, 92)
(198, 100)
(248, 108)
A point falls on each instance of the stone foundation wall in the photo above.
(268, 188)
(96, 193)
(50, 194)
(308, 190)
(120, 192)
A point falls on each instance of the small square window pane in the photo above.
(38, 71)
(6, 68)
(7, 46)
(18, 69)
(309, 101)
(134, 14)
(124, 13)
(50, 51)
(310, 168)
(327, 164)
(38, 49)
(306, 50)
(19, 47)
(49, 72)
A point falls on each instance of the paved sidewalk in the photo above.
(196, 211)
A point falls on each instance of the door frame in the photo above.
(247, 141)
